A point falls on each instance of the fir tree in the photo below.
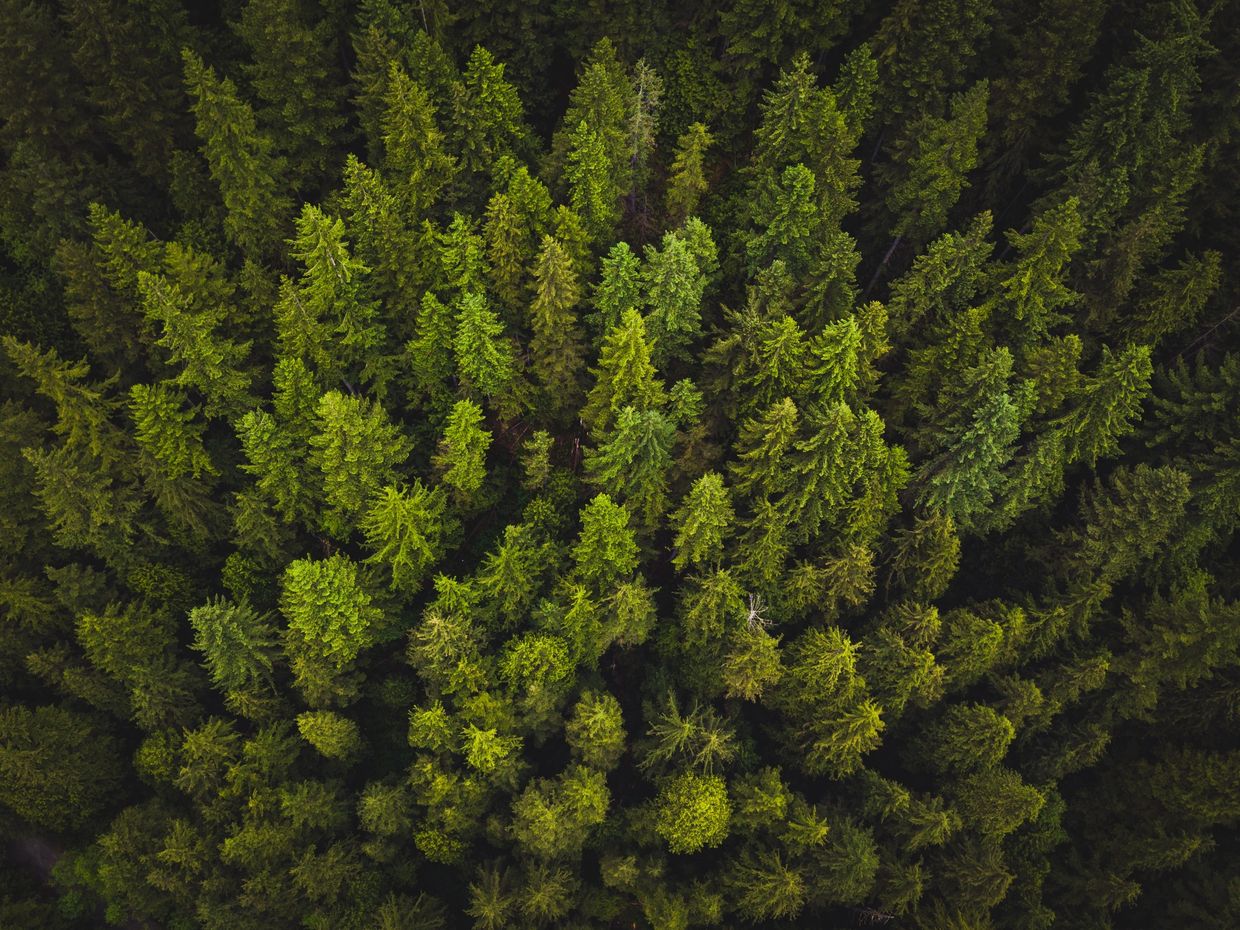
(461, 457)
(294, 70)
(687, 181)
(249, 175)
(556, 348)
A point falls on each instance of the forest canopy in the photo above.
(768, 463)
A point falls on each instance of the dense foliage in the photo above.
(762, 463)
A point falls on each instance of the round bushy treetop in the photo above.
(692, 812)
(327, 609)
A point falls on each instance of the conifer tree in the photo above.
(674, 283)
(60, 765)
(557, 350)
(625, 376)
(329, 614)
(251, 178)
(212, 363)
(619, 288)
(633, 459)
(238, 643)
(704, 518)
(414, 155)
(169, 433)
(461, 457)
(1031, 290)
(406, 528)
(294, 70)
(687, 181)
(139, 93)
(1108, 402)
(487, 113)
(593, 194)
(693, 812)
(356, 450)
(931, 166)
(484, 358)
(606, 101)
(606, 551)
(924, 50)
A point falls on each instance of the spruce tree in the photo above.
(250, 176)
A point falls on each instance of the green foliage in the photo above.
(692, 812)
(406, 528)
(61, 767)
(461, 457)
(790, 481)
(687, 182)
(249, 175)
(328, 612)
(356, 450)
(238, 644)
(334, 736)
(595, 730)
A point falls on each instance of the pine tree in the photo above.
(693, 812)
(633, 459)
(762, 447)
(60, 766)
(212, 364)
(619, 288)
(962, 473)
(788, 221)
(924, 50)
(294, 70)
(384, 32)
(1030, 292)
(330, 615)
(625, 376)
(461, 457)
(487, 114)
(484, 358)
(554, 819)
(606, 552)
(398, 254)
(930, 168)
(1108, 402)
(357, 451)
(327, 317)
(593, 194)
(250, 177)
(605, 99)
(414, 156)
(674, 284)
(557, 349)
(802, 124)
(168, 432)
(406, 527)
(238, 643)
(855, 89)
(767, 887)
(687, 180)
(595, 731)
(82, 411)
(53, 165)
(704, 518)
(334, 736)
(1174, 300)
(138, 92)
(430, 353)
(516, 220)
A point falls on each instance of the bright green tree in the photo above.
(356, 449)
(461, 456)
